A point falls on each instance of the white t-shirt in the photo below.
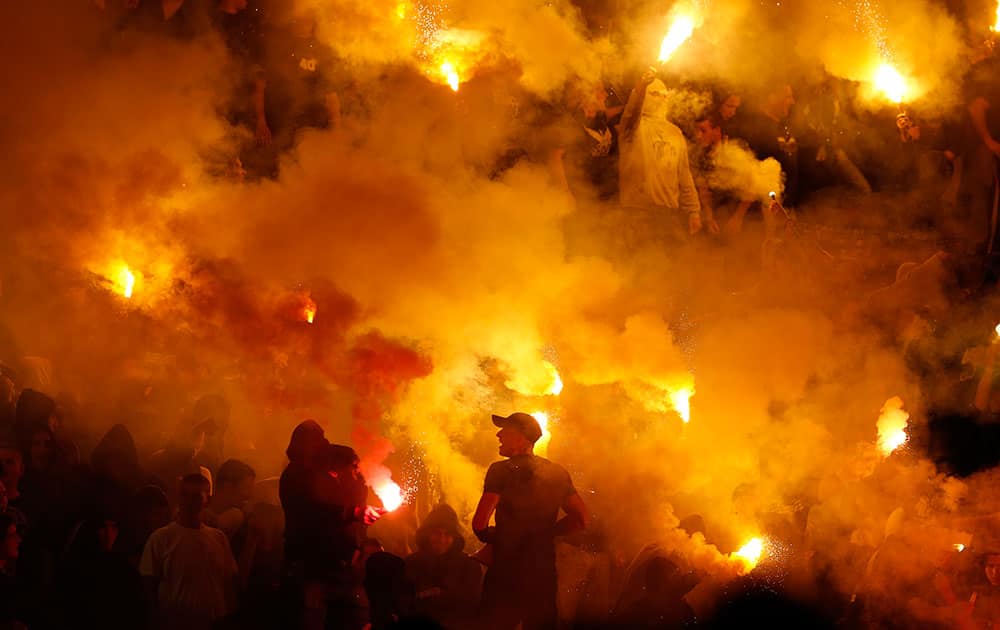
(195, 570)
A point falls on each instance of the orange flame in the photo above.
(891, 83)
(750, 554)
(542, 445)
(996, 25)
(892, 426)
(681, 401)
(680, 31)
(390, 494)
(309, 310)
(124, 281)
(557, 385)
(450, 75)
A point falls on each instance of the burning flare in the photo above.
(450, 75)
(542, 445)
(891, 83)
(892, 426)
(681, 29)
(959, 547)
(997, 330)
(125, 281)
(557, 385)
(309, 310)
(681, 401)
(390, 494)
(749, 554)
(996, 25)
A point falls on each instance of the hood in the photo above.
(305, 433)
(116, 447)
(442, 516)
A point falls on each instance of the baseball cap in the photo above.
(523, 422)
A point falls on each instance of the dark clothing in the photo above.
(521, 583)
(319, 521)
(447, 586)
(390, 593)
(980, 175)
(591, 160)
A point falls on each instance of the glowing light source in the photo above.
(450, 74)
(390, 494)
(959, 547)
(891, 83)
(309, 310)
(892, 426)
(557, 385)
(749, 554)
(401, 10)
(681, 29)
(997, 330)
(996, 25)
(542, 445)
(681, 401)
(125, 282)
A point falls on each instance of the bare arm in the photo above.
(576, 516)
(263, 131)
(484, 511)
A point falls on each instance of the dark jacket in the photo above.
(448, 586)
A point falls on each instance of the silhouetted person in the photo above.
(390, 593)
(117, 475)
(447, 581)
(661, 604)
(526, 492)
(189, 570)
(233, 490)
(12, 592)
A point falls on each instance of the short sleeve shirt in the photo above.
(532, 490)
(195, 570)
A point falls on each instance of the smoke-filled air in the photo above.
(736, 259)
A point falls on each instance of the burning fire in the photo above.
(959, 547)
(681, 401)
(891, 83)
(892, 426)
(390, 494)
(542, 445)
(681, 29)
(557, 385)
(124, 281)
(309, 310)
(996, 25)
(749, 554)
(450, 74)
(997, 329)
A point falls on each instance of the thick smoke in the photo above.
(445, 290)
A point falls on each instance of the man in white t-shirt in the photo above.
(188, 567)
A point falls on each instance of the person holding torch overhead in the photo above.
(654, 175)
(526, 492)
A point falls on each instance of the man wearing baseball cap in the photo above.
(526, 492)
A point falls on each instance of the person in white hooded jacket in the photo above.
(653, 165)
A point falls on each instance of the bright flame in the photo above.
(750, 553)
(542, 445)
(892, 426)
(681, 401)
(681, 29)
(390, 494)
(125, 282)
(959, 547)
(997, 329)
(450, 75)
(401, 10)
(557, 385)
(891, 83)
(996, 25)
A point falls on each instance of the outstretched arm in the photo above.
(576, 516)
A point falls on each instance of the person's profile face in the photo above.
(512, 441)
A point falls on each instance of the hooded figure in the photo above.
(447, 581)
(115, 464)
(653, 168)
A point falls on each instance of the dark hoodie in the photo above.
(319, 517)
(447, 586)
(115, 465)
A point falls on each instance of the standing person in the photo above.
(526, 492)
(321, 493)
(654, 177)
(980, 189)
(768, 130)
(447, 581)
(188, 568)
(228, 507)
